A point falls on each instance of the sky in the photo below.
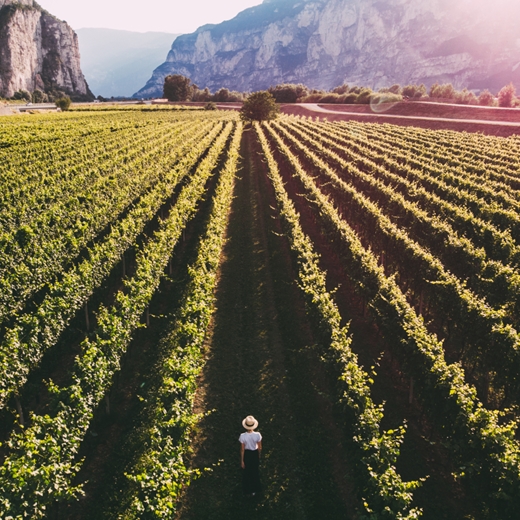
(172, 16)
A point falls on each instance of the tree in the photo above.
(350, 98)
(259, 106)
(288, 92)
(341, 89)
(444, 91)
(486, 99)
(466, 97)
(414, 91)
(221, 95)
(506, 96)
(201, 95)
(330, 98)
(22, 95)
(364, 96)
(177, 88)
(39, 97)
(235, 96)
(63, 103)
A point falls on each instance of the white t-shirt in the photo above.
(250, 440)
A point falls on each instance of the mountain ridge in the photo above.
(324, 43)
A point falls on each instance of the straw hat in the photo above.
(250, 423)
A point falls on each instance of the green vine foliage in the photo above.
(500, 287)
(41, 464)
(26, 341)
(482, 326)
(407, 172)
(484, 448)
(48, 224)
(77, 193)
(161, 472)
(385, 494)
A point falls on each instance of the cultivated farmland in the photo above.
(166, 272)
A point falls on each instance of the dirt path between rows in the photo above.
(260, 363)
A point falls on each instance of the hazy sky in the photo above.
(173, 16)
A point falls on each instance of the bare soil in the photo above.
(261, 361)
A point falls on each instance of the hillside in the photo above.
(117, 63)
(324, 43)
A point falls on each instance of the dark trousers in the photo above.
(251, 473)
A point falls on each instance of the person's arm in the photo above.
(259, 445)
(242, 448)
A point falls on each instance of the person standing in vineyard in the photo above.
(250, 451)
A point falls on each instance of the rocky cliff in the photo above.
(376, 43)
(38, 51)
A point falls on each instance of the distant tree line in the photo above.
(50, 95)
(59, 98)
(180, 88)
(345, 94)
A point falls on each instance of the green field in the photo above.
(164, 273)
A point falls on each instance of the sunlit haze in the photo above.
(173, 16)
(181, 16)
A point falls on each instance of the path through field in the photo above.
(315, 107)
(259, 363)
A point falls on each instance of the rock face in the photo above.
(38, 51)
(376, 43)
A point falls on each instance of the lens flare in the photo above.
(380, 103)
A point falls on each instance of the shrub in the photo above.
(210, 106)
(385, 97)
(312, 98)
(288, 92)
(506, 96)
(414, 91)
(39, 97)
(330, 98)
(350, 98)
(465, 97)
(486, 99)
(201, 95)
(259, 106)
(63, 103)
(342, 89)
(444, 91)
(177, 88)
(21, 95)
(363, 97)
(394, 89)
